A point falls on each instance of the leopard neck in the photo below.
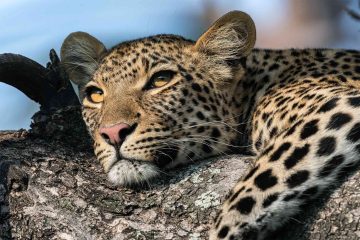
(262, 72)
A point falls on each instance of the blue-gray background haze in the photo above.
(33, 27)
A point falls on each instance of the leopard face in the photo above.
(162, 101)
(175, 114)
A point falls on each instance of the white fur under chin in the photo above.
(126, 172)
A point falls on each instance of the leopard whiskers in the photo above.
(203, 142)
(201, 139)
(212, 123)
(172, 142)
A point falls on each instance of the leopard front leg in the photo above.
(295, 167)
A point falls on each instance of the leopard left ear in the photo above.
(231, 37)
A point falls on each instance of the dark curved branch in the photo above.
(50, 87)
(351, 12)
(24, 74)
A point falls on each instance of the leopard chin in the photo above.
(131, 172)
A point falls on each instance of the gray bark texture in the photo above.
(51, 187)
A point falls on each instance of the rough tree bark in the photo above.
(51, 187)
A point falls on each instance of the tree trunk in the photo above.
(51, 187)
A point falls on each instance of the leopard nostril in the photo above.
(123, 133)
(105, 136)
(115, 134)
(127, 131)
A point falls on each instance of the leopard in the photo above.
(163, 101)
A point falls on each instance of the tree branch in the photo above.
(48, 86)
(52, 187)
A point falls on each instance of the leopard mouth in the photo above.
(128, 172)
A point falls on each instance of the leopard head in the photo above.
(161, 101)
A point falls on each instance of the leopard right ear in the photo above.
(80, 56)
(231, 37)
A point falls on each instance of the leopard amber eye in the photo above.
(94, 94)
(159, 82)
(160, 79)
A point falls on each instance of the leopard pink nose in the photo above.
(115, 134)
